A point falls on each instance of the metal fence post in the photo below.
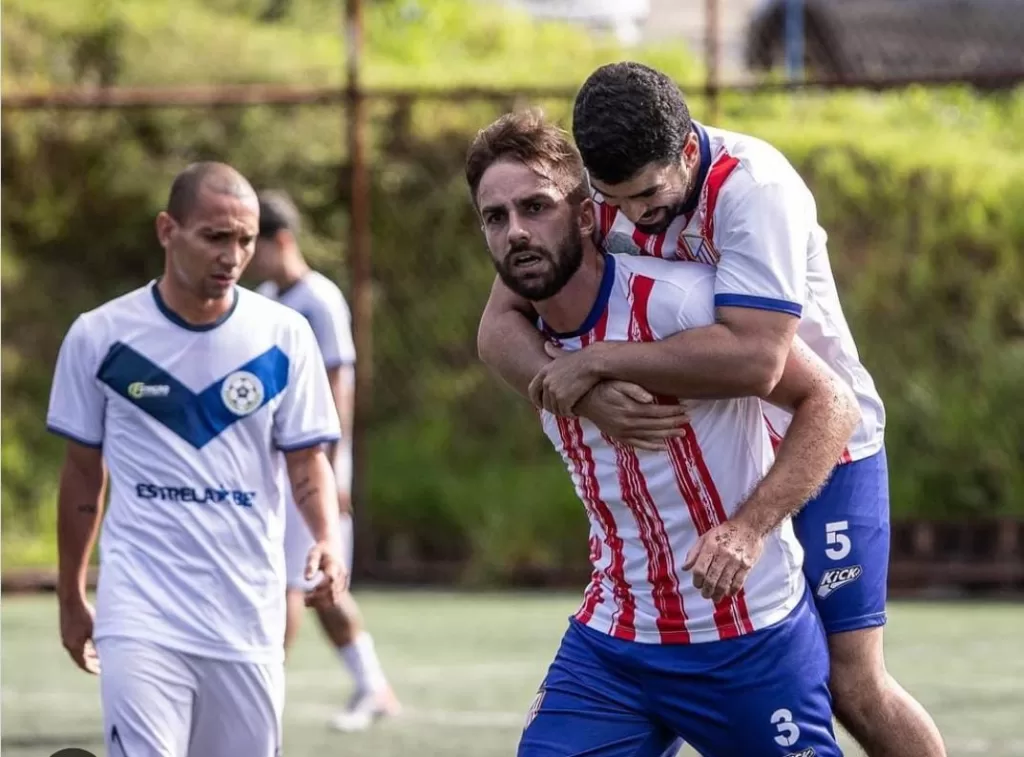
(360, 267)
(712, 59)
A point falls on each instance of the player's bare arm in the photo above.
(316, 496)
(507, 341)
(825, 414)
(743, 354)
(342, 381)
(79, 512)
(516, 351)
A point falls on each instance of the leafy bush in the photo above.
(919, 191)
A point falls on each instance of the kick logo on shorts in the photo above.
(837, 578)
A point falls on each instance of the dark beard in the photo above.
(671, 214)
(561, 268)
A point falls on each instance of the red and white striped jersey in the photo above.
(647, 508)
(755, 221)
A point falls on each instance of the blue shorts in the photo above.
(845, 535)
(761, 695)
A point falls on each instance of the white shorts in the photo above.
(158, 702)
(298, 541)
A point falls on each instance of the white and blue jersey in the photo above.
(191, 420)
(323, 305)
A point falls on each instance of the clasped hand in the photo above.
(571, 385)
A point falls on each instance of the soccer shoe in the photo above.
(365, 709)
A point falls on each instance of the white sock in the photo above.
(360, 657)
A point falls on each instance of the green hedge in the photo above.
(919, 192)
(920, 195)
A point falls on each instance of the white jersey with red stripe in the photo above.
(648, 508)
(755, 220)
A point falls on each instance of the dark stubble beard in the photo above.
(562, 265)
(672, 211)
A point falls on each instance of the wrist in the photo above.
(756, 517)
(71, 589)
(598, 360)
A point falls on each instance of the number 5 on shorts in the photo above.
(839, 543)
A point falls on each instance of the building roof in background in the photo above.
(895, 38)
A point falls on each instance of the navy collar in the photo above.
(598, 308)
(705, 166)
(177, 320)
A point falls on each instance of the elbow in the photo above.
(485, 343)
(492, 335)
(764, 370)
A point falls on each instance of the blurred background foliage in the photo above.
(920, 192)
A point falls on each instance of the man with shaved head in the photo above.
(182, 393)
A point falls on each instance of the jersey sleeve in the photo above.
(681, 302)
(77, 402)
(306, 416)
(332, 326)
(762, 235)
(696, 303)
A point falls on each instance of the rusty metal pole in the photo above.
(360, 268)
(712, 58)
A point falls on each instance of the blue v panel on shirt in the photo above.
(196, 418)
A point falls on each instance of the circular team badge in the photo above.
(242, 393)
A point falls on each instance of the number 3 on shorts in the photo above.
(839, 543)
(789, 732)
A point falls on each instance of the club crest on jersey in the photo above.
(696, 247)
(242, 392)
(837, 578)
(138, 390)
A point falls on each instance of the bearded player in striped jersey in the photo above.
(647, 660)
(668, 187)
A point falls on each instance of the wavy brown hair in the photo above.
(527, 137)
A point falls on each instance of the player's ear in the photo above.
(588, 217)
(165, 228)
(691, 149)
(285, 239)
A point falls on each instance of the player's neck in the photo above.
(292, 272)
(568, 310)
(194, 310)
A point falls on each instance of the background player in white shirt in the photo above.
(290, 281)
(645, 660)
(669, 187)
(186, 389)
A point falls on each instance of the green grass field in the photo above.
(467, 665)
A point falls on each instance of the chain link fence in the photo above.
(456, 470)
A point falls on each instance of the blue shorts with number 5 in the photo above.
(845, 535)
